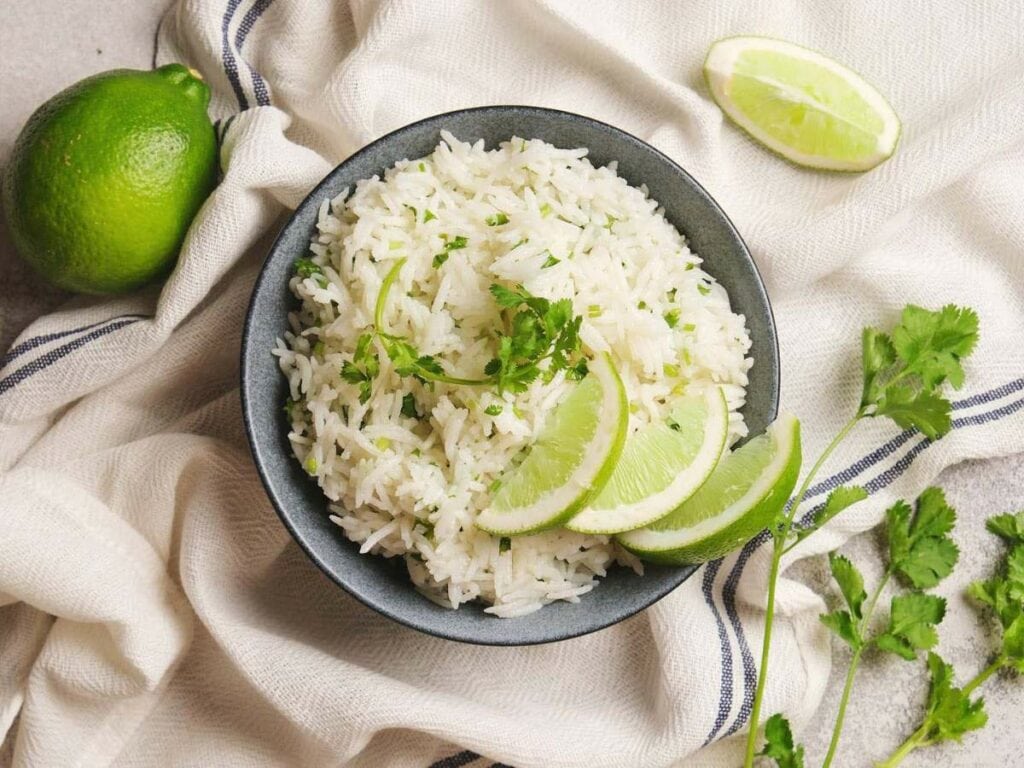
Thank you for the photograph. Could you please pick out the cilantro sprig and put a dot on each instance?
(904, 376)
(952, 711)
(363, 368)
(540, 338)
(540, 330)
(921, 554)
(904, 371)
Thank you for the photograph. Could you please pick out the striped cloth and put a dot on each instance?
(154, 611)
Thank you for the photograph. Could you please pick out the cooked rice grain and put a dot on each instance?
(411, 488)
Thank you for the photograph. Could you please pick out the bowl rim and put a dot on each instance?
(246, 376)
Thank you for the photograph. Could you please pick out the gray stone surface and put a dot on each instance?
(889, 693)
(48, 44)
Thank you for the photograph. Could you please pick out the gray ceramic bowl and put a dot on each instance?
(383, 584)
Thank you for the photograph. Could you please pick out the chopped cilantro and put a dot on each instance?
(409, 406)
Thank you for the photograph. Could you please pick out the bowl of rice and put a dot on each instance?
(378, 473)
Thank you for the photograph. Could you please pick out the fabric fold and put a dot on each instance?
(153, 609)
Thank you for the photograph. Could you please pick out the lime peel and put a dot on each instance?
(801, 104)
(688, 460)
(741, 518)
(575, 455)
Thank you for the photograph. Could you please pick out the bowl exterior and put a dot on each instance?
(384, 584)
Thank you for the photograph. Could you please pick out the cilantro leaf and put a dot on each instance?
(877, 356)
(1009, 527)
(846, 624)
(1013, 642)
(932, 343)
(920, 548)
(455, 244)
(912, 620)
(926, 412)
(996, 593)
(506, 297)
(541, 330)
(850, 582)
(1015, 573)
(841, 623)
(904, 371)
(779, 744)
(1004, 593)
(353, 375)
(308, 268)
(409, 406)
(950, 713)
(838, 500)
(363, 368)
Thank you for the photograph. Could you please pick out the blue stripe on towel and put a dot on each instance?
(228, 55)
(37, 341)
(882, 480)
(250, 18)
(457, 760)
(44, 361)
(725, 701)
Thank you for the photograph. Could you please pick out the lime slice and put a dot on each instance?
(572, 459)
(808, 108)
(661, 466)
(745, 492)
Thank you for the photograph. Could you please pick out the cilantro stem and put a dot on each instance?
(446, 379)
(915, 740)
(779, 537)
(847, 690)
(861, 413)
(382, 296)
(985, 674)
(755, 715)
(919, 738)
(869, 610)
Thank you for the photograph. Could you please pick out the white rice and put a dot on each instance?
(411, 488)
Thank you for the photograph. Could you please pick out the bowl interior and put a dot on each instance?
(383, 584)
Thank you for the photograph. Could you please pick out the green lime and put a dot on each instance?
(662, 465)
(748, 488)
(106, 176)
(570, 461)
(805, 106)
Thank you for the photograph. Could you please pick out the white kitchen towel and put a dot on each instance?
(154, 611)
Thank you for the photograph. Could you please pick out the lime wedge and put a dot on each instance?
(808, 108)
(748, 488)
(661, 466)
(572, 459)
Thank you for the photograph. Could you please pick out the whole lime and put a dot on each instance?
(105, 178)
